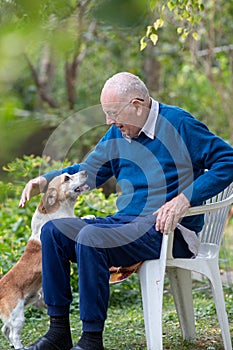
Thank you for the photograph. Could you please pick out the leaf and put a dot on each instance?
(148, 31)
(185, 34)
(185, 14)
(152, 4)
(158, 23)
(202, 7)
(143, 43)
(170, 5)
(154, 38)
(179, 30)
(195, 36)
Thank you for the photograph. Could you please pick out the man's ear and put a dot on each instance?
(139, 106)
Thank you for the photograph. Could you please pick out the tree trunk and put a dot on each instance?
(152, 71)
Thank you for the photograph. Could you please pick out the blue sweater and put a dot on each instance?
(153, 171)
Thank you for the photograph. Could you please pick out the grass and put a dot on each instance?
(124, 329)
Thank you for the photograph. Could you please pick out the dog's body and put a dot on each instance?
(22, 284)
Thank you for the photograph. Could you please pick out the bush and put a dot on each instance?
(15, 222)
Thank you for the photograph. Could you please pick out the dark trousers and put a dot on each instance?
(95, 245)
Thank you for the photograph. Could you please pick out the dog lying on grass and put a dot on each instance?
(22, 284)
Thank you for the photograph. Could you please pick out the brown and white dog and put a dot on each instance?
(22, 284)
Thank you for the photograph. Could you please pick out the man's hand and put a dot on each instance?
(32, 188)
(170, 213)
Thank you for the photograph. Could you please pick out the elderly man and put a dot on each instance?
(164, 160)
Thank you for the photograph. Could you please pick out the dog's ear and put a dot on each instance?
(50, 197)
(49, 200)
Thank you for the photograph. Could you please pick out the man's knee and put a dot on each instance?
(87, 236)
(48, 231)
(97, 237)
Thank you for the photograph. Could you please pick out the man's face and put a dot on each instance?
(126, 115)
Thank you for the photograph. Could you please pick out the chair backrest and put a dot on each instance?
(215, 221)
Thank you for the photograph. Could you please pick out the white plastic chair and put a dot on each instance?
(152, 272)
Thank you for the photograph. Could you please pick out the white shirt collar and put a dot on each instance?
(149, 126)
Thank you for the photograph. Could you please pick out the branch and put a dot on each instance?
(224, 48)
(40, 86)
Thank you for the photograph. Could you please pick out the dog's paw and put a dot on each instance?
(6, 331)
(89, 217)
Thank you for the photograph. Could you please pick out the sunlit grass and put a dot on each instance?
(124, 328)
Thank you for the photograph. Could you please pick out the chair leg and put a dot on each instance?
(218, 295)
(181, 287)
(152, 281)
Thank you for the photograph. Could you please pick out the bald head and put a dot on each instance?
(126, 103)
(125, 86)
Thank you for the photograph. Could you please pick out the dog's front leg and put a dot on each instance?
(15, 324)
(14, 336)
(6, 332)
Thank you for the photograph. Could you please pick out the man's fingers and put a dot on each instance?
(32, 188)
(21, 203)
(170, 224)
(170, 213)
(166, 219)
(161, 219)
(25, 196)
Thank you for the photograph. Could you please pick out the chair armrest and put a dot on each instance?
(201, 209)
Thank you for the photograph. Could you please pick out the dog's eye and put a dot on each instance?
(67, 178)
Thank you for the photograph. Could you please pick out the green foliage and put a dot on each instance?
(13, 131)
(50, 35)
(29, 12)
(15, 222)
(95, 203)
(194, 92)
(111, 45)
(22, 170)
(186, 12)
(123, 13)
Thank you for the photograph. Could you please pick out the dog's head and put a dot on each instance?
(63, 189)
